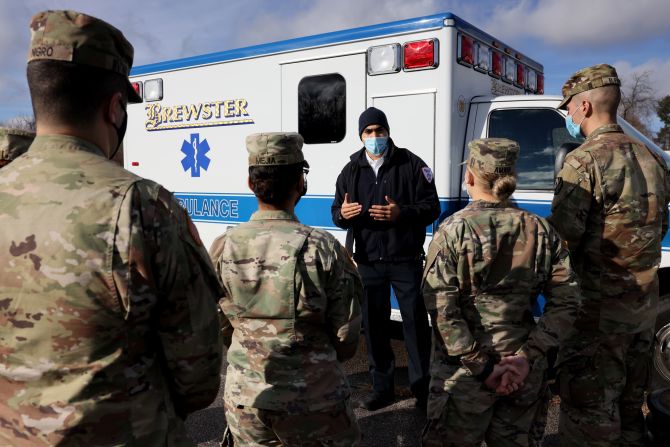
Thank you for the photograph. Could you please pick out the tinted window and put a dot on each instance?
(322, 113)
(539, 133)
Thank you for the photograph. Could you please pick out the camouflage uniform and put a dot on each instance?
(486, 265)
(293, 302)
(13, 142)
(610, 205)
(109, 332)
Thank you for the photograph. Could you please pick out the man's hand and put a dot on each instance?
(508, 375)
(513, 378)
(388, 212)
(350, 210)
(493, 381)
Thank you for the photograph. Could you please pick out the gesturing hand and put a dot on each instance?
(388, 212)
(350, 209)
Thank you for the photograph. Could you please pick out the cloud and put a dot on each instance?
(591, 23)
(657, 68)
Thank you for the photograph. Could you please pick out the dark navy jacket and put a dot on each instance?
(403, 177)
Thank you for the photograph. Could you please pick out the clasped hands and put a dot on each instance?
(508, 375)
(387, 213)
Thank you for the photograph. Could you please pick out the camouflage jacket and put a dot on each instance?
(293, 302)
(611, 206)
(109, 331)
(486, 265)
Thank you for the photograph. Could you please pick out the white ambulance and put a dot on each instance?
(441, 81)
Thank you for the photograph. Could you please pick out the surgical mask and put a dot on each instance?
(376, 145)
(574, 129)
(120, 132)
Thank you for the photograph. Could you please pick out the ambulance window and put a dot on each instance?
(322, 108)
(539, 132)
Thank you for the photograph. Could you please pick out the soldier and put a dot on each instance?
(610, 205)
(13, 142)
(109, 332)
(292, 297)
(486, 265)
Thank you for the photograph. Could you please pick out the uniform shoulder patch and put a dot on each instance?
(573, 162)
(427, 173)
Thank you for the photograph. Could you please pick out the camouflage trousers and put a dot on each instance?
(463, 413)
(333, 427)
(602, 391)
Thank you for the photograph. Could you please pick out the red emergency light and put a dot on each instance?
(496, 64)
(465, 54)
(137, 86)
(520, 75)
(420, 54)
(540, 84)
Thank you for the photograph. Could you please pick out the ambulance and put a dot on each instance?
(440, 80)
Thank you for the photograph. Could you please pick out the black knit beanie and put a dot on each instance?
(372, 116)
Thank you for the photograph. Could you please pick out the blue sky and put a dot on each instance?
(563, 35)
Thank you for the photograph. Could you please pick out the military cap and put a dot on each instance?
(82, 39)
(493, 155)
(14, 142)
(275, 149)
(587, 79)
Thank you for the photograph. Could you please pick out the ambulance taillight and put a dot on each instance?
(422, 54)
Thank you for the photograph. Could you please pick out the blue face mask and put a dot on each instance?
(574, 129)
(376, 145)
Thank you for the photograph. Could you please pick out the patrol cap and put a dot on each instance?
(275, 149)
(493, 155)
(82, 39)
(587, 79)
(14, 142)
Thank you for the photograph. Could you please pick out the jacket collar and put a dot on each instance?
(273, 215)
(483, 204)
(607, 128)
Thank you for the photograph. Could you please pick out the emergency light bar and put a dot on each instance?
(420, 54)
(484, 57)
(487, 57)
(384, 59)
